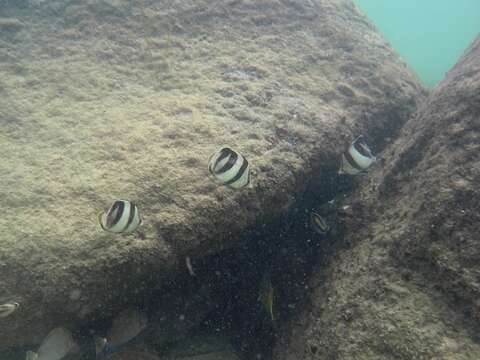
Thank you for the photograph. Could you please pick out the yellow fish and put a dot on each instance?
(266, 294)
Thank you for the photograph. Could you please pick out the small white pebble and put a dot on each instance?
(188, 263)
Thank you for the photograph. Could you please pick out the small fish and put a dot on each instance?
(230, 168)
(126, 326)
(8, 309)
(265, 295)
(56, 345)
(122, 217)
(318, 223)
(357, 158)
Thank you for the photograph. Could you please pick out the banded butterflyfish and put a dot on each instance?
(357, 158)
(8, 309)
(122, 217)
(230, 168)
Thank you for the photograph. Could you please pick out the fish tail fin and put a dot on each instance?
(100, 220)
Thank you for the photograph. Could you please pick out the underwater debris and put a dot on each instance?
(230, 168)
(122, 217)
(8, 309)
(357, 158)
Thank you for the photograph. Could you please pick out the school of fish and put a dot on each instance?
(229, 168)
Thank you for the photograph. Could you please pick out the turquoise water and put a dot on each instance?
(429, 34)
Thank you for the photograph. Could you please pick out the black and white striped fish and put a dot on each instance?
(357, 158)
(8, 309)
(318, 223)
(230, 168)
(122, 217)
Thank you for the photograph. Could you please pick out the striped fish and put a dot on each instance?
(357, 158)
(318, 224)
(230, 168)
(122, 217)
(8, 309)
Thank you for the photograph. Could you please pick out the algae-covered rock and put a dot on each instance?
(106, 100)
(406, 284)
(133, 355)
(178, 314)
(202, 347)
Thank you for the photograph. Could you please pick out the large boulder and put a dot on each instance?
(101, 100)
(405, 283)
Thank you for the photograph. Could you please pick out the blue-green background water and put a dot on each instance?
(429, 34)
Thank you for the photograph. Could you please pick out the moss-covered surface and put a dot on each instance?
(111, 99)
(406, 283)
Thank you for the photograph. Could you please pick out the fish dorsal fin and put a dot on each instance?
(360, 154)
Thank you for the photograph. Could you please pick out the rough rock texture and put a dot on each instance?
(107, 99)
(199, 347)
(406, 283)
(203, 347)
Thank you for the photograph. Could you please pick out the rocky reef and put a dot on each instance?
(406, 283)
(108, 99)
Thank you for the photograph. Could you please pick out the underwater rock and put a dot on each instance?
(405, 284)
(202, 346)
(177, 314)
(133, 355)
(218, 355)
(120, 100)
